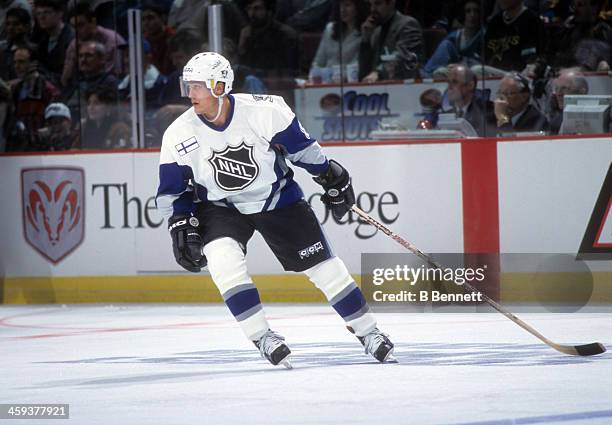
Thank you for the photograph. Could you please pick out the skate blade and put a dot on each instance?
(390, 359)
(287, 363)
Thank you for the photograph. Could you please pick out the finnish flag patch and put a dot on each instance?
(187, 146)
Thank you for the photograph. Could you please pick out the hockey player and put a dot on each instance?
(223, 174)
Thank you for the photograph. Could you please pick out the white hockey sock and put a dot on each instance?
(334, 280)
(228, 270)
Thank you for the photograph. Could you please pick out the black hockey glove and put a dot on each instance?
(339, 195)
(187, 242)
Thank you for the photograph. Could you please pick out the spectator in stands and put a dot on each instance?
(92, 73)
(512, 38)
(84, 22)
(6, 115)
(157, 33)
(57, 134)
(245, 79)
(304, 15)
(233, 19)
(154, 81)
(183, 46)
(392, 44)
(182, 10)
(463, 45)
(266, 45)
(466, 102)
(55, 37)
(18, 27)
(584, 39)
(569, 81)
(513, 110)
(103, 127)
(32, 91)
(342, 35)
(5, 6)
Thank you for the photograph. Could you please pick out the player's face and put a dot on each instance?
(200, 96)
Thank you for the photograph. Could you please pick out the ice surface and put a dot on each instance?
(169, 364)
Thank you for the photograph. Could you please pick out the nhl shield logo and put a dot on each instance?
(234, 168)
(53, 205)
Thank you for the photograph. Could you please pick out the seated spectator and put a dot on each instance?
(84, 22)
(583, 40)
(304, 15)
(233, 19)
(569, 81)
(57, 134)
(154, 81)
(92, 73)
(465, 102)
(55, 37)
(512, 38)
(513, 110)
(157, 33)
(5, 6)
(183, 46)
(103, 128)
(342, 34)
(32, 91)
(463, 45)
(245, 79)
(18, 27)
(266, 45)
(392, 44)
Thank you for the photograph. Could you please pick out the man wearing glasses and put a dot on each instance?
(513, 109)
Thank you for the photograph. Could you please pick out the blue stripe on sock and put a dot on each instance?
(243, 301)
(350, 304)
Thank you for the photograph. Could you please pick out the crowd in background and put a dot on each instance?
(64, 74)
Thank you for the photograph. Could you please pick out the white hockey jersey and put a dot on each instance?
(241, 164)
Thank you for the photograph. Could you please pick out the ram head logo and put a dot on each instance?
(53, 209)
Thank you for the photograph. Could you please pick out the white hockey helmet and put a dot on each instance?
(210, 68)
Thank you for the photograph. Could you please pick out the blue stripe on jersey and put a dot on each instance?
(350, 304)
(292, 138)
(313, 168)
(242, 301)
(290, 194)
(279, 175)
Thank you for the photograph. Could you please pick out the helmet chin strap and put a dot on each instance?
(219, 106)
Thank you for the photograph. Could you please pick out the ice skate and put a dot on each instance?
(378, 345)
(272, 346)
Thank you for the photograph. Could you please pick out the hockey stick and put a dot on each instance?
(574, 350)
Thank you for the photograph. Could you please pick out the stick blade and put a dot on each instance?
(580, 350)
(590, 349)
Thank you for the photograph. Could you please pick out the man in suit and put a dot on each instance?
(466, 104)
(513, 111)
(392, 45)
(569, 81)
